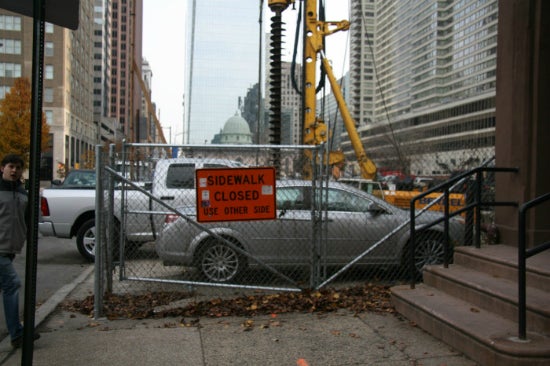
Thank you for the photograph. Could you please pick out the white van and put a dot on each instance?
(174, 182)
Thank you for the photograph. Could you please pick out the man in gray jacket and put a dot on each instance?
(13, 234)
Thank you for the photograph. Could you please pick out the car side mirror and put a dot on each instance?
(375, 209)
(56, 182)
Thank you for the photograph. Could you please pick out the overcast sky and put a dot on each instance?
(164, 48)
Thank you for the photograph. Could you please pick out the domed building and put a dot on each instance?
(235, 132)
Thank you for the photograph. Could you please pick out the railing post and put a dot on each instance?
(477, 216)
(446, 230)
(521, 275)
(412, 244)
(523, 254)
(469, 215)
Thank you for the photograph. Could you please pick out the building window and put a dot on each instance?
(10, 46)
(49, 117)
(8, 22)
(48, 27)
(48, 72)
(48, 49)
(4, 89)
(48, 95)
(8, 70)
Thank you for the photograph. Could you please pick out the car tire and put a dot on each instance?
(429, 249)
(219, 262)
(85, 240)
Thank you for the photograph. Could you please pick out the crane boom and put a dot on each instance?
(368, 168)
(315, 131)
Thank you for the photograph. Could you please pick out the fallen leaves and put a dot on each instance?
(358, 299)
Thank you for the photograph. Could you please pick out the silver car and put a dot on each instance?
(355, 221)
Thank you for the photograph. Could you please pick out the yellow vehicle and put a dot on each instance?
(315, 129)
(366, 185)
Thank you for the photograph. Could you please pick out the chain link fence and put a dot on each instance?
(324, 232)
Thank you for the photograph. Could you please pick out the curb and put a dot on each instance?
(51, 304)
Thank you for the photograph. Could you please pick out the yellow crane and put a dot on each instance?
(315, 131)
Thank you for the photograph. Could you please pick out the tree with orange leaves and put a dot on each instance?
(15, 121)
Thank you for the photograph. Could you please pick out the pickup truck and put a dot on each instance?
(68, 208)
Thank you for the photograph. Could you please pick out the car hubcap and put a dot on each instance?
(89, 241)
(220, 263)
(429, 252)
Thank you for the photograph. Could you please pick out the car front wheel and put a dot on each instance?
(428, 250)
(219, 262)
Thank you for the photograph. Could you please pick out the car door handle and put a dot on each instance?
(167, 197)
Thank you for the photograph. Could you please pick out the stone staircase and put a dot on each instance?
(472, 305)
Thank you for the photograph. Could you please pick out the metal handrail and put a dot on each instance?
(523, 254)
(476, 204)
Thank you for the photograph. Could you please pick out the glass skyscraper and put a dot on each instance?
(222, 63)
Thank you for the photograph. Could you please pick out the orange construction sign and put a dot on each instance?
(235, 194)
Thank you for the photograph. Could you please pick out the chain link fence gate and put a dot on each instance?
(139, 196)
(326, 233)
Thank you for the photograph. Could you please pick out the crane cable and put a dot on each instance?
(322, 17)
(393, 140)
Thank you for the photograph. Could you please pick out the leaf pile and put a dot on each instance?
(358, 299)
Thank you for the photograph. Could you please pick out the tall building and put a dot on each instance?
(126, 50)
(67, 83)
(222, 63)
(291, 104)
(423, 82)
(108, 128)
(89, 89)
(147, 129)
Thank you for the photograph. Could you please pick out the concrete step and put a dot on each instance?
(501, 261)
(485, 337)
(492, 293)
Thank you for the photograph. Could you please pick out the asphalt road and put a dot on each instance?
(58, 263)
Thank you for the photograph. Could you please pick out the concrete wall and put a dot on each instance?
(523, 114)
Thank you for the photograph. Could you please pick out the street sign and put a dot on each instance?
(59, 12)
(235, 194)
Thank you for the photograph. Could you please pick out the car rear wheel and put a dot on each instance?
(219, 262)
(86, 239)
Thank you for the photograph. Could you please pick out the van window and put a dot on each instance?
(180, 176)
(214, 165)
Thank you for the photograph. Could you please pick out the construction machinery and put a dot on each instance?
(315, 131)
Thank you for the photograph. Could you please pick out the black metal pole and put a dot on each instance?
(522, 302)
(412, 244)
(477, 218)
(34, 168)
(446, 247)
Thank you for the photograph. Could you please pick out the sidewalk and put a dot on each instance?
(340, 338)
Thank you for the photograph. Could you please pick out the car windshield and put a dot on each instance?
(338, 200)
(333, 199)
(81, 179)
